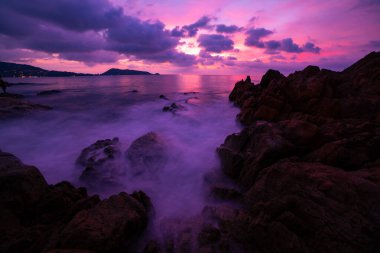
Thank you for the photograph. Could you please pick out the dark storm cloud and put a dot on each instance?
(75, 15)
(227, 29)
(90, 31)
(215, 43)
(254, 36)
(192, 29)
(133, 36)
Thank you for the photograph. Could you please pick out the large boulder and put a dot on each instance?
(307, 161)
(99, 162)
(109, 226)
(147, 154)
(37, 217)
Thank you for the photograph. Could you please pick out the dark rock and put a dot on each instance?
(147, 154)
(152, 247)
(208, 235)
(36, 217)
(11, 95)
(20, 184)
(174, 107)
(309, 174)
(109, 226)
(12, 107)
(98, 161)
(48, 92)
(223, 193)
(163, 97)
(269, 76)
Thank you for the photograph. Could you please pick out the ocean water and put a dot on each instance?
(93, 108)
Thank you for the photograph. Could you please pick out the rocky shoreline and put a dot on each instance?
(306, 169)
(308, 160)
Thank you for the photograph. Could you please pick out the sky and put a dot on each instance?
(188, 36)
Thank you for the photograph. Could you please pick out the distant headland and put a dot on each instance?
(8, 69)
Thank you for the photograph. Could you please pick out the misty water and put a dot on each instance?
(94, 108)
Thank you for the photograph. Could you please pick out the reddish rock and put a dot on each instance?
(310, 173)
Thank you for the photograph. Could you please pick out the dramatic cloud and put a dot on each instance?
(287, 45)
(100, 34)
(215, 43)
(75, 15)
(227, 29)
(255, 35)
(192, 29)
(133, 36)
(254, 39)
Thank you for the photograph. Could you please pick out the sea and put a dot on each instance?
(88, 109)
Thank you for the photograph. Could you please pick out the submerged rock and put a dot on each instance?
(174, 107)
(163, 97)
(147, 154)
(48, 92)
(11, 107)
(37, 217)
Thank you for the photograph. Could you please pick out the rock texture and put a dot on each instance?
(147, 154)
(37, 217)
(307, 161)
(98, 162)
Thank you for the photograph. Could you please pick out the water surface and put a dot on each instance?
(93, 108)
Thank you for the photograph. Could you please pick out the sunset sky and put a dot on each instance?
(188, 37)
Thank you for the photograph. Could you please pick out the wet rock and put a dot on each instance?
(48, 92)
(20, 184)
(163, 97)
(152, 247)
(98, 161)
(208, 235)
(223, 193)
(147, 154)
(109, 226)
(174, 107)
(12, 107)
(37, 217)
(190, 93)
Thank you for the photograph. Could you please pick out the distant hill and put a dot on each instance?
(115, 72)
(8, 69)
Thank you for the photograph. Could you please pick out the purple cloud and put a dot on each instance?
(133, 36)
(75, 15)
(287, 45)
(101, 33)
(255, 35)
(192, 29)
(215, 43)
(227, 29)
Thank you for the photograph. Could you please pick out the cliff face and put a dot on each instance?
(308, 161)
